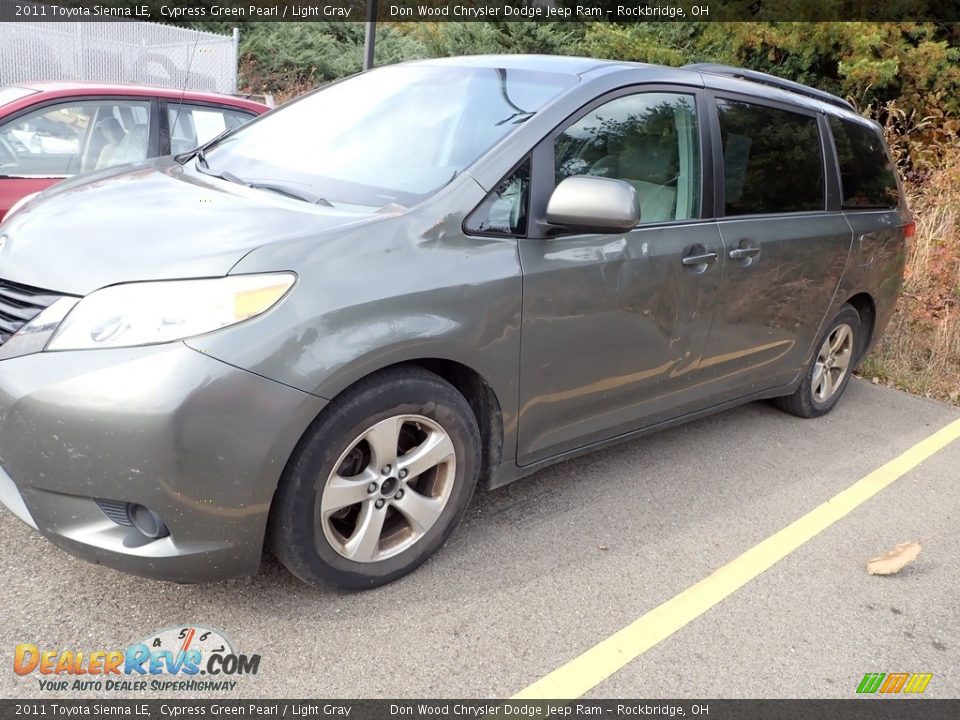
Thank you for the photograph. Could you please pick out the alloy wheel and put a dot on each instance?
(833, 363)
(388, 489)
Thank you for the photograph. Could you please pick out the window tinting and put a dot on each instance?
(648, 140)
(504, 210)
(867, 176)
(772, 161)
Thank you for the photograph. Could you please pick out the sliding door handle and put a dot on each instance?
(744, 252)
(702, 259)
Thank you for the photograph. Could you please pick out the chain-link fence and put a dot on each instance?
(131, 52)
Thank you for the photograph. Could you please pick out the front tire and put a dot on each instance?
(378, 483)
(838, 351)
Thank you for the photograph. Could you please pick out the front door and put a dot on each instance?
(614, 324)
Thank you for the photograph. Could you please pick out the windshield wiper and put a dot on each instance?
(289, 192)
(204, 167)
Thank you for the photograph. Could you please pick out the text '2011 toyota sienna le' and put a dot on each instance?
(322, 330)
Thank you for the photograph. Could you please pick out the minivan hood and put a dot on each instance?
(155, 221)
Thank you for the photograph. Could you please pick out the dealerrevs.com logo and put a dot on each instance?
(187, 659)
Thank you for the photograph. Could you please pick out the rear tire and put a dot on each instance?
(378, 483)
(838, 352)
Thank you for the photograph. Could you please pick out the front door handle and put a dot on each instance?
(742, 253)
(702, 259)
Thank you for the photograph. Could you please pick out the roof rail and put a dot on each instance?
(771, 80)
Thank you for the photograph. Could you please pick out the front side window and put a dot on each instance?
(772, 161)
(393, 135)
(194, 125)
(649, 140)
(867, 177)
(65, 139)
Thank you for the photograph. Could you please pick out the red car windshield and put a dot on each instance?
(12, 93)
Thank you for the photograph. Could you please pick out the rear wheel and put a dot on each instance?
(380, 482)
(829, 373)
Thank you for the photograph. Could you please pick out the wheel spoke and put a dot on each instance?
(824, 353)
(421, 511)
(343, 492)
(817, 381)
(384, 438)
(430, 453)
(839, 338)
(364, 543)
(842, 360)
(827, 383)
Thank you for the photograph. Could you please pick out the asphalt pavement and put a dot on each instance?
(546, 568)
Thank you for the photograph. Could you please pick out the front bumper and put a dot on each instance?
(200, 442)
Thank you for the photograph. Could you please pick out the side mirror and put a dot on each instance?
(594, 204)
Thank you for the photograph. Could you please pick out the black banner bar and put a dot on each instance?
(872, 708)
(619, 11)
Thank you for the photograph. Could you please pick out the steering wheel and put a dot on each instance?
(8, 156)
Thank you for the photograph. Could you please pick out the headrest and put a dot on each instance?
(112, 130)
(650, 158)
(137, 134)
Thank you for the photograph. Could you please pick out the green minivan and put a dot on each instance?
(321, 331)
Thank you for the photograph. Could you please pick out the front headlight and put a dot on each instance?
(146, 313)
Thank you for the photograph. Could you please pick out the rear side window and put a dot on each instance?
(772, 162)
(867, 176)
(195, 125)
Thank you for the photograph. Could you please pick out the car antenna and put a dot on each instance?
(183, 91)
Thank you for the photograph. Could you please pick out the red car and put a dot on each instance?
(54, 130)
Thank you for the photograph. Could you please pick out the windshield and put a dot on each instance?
(393, 135)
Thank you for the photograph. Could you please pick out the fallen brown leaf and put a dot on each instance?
(895, 560)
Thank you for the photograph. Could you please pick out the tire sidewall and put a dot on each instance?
(309, 554)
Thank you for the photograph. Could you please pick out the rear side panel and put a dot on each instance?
(879, 251)
(877, 261)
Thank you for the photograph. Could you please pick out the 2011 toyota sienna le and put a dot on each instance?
(321, 331)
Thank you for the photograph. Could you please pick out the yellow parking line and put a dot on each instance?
(604, 659)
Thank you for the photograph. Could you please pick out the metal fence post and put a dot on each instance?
(236, 60)
(370, 34)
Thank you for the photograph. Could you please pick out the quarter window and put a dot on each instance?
(649, 140)
(504, 210)
(772, 161)
(867, 176)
